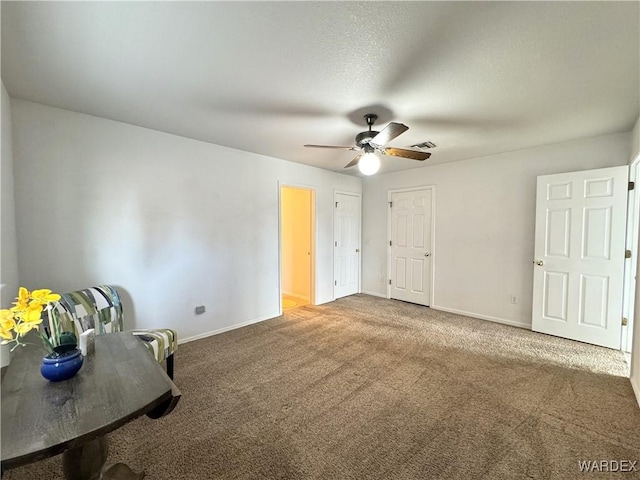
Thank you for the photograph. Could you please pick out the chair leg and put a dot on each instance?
(170, 366)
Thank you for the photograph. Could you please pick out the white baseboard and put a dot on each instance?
(295, 295)
(225, 329)
(504, 321)
(374, 294)
(635, 385)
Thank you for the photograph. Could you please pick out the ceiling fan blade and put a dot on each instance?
(354, 162)
(333, 146)
(404, 153)
(388, 133)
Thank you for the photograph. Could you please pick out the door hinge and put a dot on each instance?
(632, 185)
(335, 282)
(627, 254)
(336, 243)
(389, 281)
(336, 204)
(390, 204)
(389, 242)
(625, 321)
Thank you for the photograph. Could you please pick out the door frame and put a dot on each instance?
(432, 287)
(333, 266)
(631, 264)
(314, 240)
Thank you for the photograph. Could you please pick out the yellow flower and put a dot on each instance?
(44, 296)
(6, 334)
(31, 314)
(24, 328)
(26, 315)
(23, 298)
(7, 322)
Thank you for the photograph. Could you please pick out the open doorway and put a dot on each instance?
(297, 266)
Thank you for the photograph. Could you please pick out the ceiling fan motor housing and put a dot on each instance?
(364, 138)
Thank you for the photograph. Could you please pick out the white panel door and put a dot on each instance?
(411, 246)
(346, 244)
(579, 255)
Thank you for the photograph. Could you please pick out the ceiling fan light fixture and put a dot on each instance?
(372, 141)
(369, 164)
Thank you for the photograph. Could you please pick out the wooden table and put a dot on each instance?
(118, 383)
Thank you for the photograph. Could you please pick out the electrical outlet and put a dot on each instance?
(514, 299)
(200, 309)
(381, 278)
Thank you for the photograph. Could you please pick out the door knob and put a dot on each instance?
(427, 254)
(539, 263)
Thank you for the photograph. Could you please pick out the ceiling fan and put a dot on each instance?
(371, 141)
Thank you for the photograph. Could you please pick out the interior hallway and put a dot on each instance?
(289, 302)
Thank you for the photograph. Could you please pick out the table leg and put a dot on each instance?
(120, 471)
(85, 462)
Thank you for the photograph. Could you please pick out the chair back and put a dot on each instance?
(99, 308)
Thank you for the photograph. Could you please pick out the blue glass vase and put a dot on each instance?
(57, 367)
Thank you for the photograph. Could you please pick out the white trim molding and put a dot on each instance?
(636, 389)
(375, 294)
(226, 329)
(296, 295)
(504, 321)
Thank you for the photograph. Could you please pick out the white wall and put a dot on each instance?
(635, 140)
(8, 248)
(172, 221)
(484, 224)
(635, 350)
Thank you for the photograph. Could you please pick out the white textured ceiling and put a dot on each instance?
(475, 78)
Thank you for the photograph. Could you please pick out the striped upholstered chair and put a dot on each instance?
(100, 308)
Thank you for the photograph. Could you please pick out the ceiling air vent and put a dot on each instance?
(425, 145)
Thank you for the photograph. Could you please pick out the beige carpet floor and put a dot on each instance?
(367, 388)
